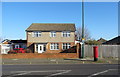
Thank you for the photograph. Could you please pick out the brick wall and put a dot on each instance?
(31, 47)
(60, 47)
(36, 55)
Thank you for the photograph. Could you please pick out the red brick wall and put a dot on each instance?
(31, 47)
(60, 47)
(36, 55)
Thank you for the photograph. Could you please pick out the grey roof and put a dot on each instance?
(18, 41)
(51, 27)
(114, 41)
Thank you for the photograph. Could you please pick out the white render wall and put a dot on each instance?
(5, 48)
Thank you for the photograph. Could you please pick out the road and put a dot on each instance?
(52, 70)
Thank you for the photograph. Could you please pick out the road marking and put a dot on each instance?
(60, 73)
(17, 73)
(23, 73)
(53, 60)
(15, 59)
(39, 71)
(102, 72)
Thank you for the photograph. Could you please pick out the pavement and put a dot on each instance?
(61, 70)
(59, 61)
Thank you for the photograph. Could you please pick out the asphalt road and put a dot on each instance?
(53, 70)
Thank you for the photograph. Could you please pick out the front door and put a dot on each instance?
(40, 48)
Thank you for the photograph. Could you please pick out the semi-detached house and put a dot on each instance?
(50, 37)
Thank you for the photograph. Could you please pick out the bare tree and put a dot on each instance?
(79, 34)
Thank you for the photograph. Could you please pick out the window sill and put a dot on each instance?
(54, 49)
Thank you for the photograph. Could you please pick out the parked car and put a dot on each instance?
(17, 50)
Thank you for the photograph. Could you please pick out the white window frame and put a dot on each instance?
(66, 34)
(52, 34)
(54, 46)
(37, 34)
(66, 45)
(17, 46)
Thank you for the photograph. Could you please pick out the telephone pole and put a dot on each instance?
(83, 39)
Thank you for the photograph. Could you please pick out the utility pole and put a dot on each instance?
(83, 39)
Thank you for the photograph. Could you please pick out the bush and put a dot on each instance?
(27, 51)
(12, 52)
(70, 50)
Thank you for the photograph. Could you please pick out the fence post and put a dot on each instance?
(101, 51)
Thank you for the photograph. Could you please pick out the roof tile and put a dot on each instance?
(51, 27)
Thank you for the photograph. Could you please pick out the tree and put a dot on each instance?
(79, 34)
(101, 40)
(93, 42)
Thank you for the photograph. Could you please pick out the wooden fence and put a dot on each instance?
(104, 50)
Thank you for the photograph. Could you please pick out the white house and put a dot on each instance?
(7, 45)
(4, 47)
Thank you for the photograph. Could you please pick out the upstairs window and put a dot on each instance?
(54, 46)
(53, 34)
(66, 34)
(36, 34)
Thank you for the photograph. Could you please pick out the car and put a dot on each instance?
(17, 50)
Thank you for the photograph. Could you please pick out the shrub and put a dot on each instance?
(27, 51)
(12, 52)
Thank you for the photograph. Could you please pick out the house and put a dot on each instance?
(7, 45)
(50, 37)
(4, 46)
(101, 40)
(114, 41)
(18, 44)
